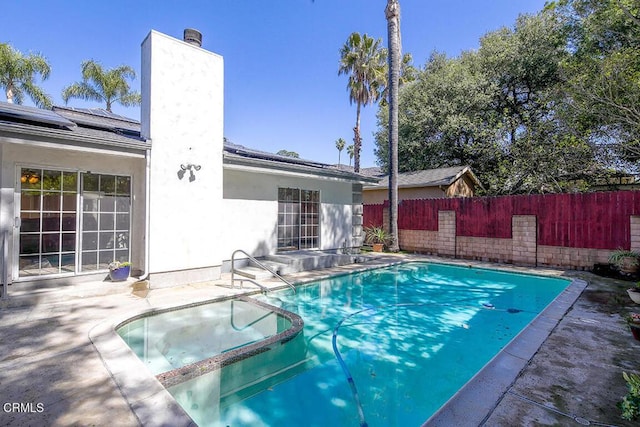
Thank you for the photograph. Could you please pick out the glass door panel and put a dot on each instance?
(106, 222)
(47, 218)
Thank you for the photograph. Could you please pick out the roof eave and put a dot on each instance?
(60, 137)
(274, 167)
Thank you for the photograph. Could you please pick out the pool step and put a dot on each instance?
(295, 262)
(253, 272)
(309, 260)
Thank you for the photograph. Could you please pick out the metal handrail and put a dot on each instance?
(240, 329)
(269, 269)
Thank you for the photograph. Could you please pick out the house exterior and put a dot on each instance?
(81, 188)
(457, 181)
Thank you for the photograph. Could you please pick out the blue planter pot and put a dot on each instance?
(120, 274)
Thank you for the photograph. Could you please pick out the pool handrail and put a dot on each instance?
(263, 266)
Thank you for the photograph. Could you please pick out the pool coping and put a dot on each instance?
(153, 405)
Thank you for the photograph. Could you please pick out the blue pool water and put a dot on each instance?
(385, 347)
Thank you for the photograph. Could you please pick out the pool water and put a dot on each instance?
(385, 347)
(174, 339)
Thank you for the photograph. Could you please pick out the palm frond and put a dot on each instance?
(81, 90)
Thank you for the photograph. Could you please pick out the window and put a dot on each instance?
(298, 219)
(49, 237)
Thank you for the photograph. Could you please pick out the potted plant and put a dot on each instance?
(377, 237)
(626, 261)
(119, 271)
(630, 404)
(633, 320)
(634, 293)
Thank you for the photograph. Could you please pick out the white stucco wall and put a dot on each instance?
(251, 210)
(48, 155)
(182, 114)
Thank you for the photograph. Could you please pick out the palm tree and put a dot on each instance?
(392, 13)
(340, 143)
(107, 86)
(363, 60)
(350, 152)
(17, 73)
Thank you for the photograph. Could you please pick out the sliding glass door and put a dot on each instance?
(71, 221)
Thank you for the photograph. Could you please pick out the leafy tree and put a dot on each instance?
(17, 76)
(102, 85)
(362, 59)
(288, 153)
(498, 109)
(444, 118)
(604, 75)
(340, 143)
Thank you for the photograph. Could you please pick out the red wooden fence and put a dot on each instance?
(585, 220)
(372, 215)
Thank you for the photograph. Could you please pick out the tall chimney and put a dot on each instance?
(193, 37)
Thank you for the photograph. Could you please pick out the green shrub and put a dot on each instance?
(630, 404)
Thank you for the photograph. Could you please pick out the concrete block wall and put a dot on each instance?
(575, 258)
(484, 248)
(422, 241)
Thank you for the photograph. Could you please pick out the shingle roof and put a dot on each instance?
(429, 177)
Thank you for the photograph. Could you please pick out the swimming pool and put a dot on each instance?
(382, 347)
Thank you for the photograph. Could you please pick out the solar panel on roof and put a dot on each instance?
(33, 114)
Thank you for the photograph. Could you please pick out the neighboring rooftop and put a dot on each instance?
(429, 177)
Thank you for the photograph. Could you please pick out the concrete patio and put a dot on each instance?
(50, 366)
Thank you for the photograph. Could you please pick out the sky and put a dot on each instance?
(282, 88)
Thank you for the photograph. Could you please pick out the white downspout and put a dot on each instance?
(5, 270)
(147, 203)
